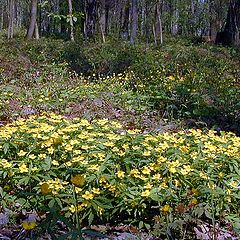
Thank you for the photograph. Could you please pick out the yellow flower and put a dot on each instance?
(94, 167)
(68, 147)
(5, 163)
(100, 210)
(23, 168)
(194, 201)
(233, 184)
(42, 155)
(32, 156)
(156, 177)
(29, 225)
(133, 131)
(120, 174)
(87, 195)
(203, 175)
(55, 163)
(22, 153)
(78, 190)
(72, 209)
(78, 180)
(146, 171)
(102, 121)
(221, 175)
(45, 189)
(148, 186)
(166, 208)
(34, 169)
(172, 169)
(145, 193)
(147, 153)
(171, 77)
(96, 190)
(186, 169)
(50, 150)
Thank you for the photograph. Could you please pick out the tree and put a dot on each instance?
(125, 25)
(232, 23)
(230, 35)
(71, 20)
(134, 22)
(11, 19)
(158, 31)
(33, 21)
(90, 18)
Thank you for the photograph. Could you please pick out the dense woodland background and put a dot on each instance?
(207, 20)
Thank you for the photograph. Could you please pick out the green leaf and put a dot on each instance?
(140, 225)
(90, 218)
(51, 203)
(5, 147)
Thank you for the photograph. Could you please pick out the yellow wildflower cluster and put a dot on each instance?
(107, 167)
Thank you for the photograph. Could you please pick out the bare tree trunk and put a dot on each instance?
(11, 19)
(1, 21)
(147, 23)
(91, 15)
(214, 23)
(230, 35)
(36, 31)
(158, 25)
(102, 19)
(143, 14)
(233, 24)
(33, 19)
(71, 20)
(134, 22)
(3, 12)
(125, 26)
(174, 19)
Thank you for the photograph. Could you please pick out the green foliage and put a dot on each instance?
(93, 172)
(74, 56)
(44, 51)
(178, 79)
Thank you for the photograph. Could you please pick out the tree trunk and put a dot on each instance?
(143, 14)
(11, 19)
(91, 15)
(33, 19)
(71, 20)
(1, 21)
(102, 19)
(125, 26)
(214, 20)
(230, 35)
(147, 24)
(134, 22)
(36, 31)
(232, 24)
(158, 25)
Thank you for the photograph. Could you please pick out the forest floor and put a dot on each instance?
(173, 88)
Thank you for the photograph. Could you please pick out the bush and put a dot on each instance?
(77, 61)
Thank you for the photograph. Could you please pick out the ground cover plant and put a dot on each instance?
(71, 155)
(179, 81)
(101, 172)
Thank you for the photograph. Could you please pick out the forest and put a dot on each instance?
(120, 119)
